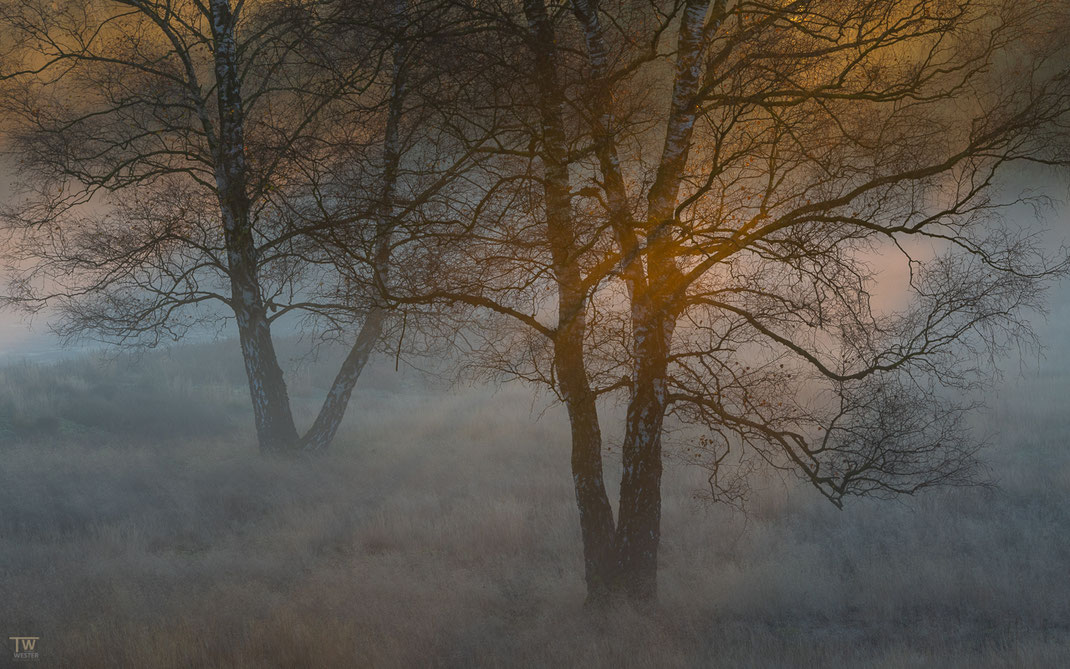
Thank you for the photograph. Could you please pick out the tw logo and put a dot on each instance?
(25, 647)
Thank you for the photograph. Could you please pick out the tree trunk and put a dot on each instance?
(639, 523)
(330, 415)
(271, 406)
(605, 147)
(275, 429)
(596, 514)
(652, 320)
(329, 418)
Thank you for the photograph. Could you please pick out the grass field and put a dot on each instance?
(140, 528)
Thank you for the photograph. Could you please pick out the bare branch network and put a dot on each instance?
(684, 206)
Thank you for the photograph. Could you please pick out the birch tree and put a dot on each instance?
(181, 154)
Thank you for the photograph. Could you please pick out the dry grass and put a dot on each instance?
(441, 532)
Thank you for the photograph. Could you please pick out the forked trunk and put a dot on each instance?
(273, 417)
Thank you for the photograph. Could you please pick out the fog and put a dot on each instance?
(463, 334)
(140, 528)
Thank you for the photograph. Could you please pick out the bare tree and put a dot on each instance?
(798, 141)
(182, 154)
(704, 192)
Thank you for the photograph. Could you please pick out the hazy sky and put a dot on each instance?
(23, 337)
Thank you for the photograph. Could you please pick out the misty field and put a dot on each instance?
(141, 528)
